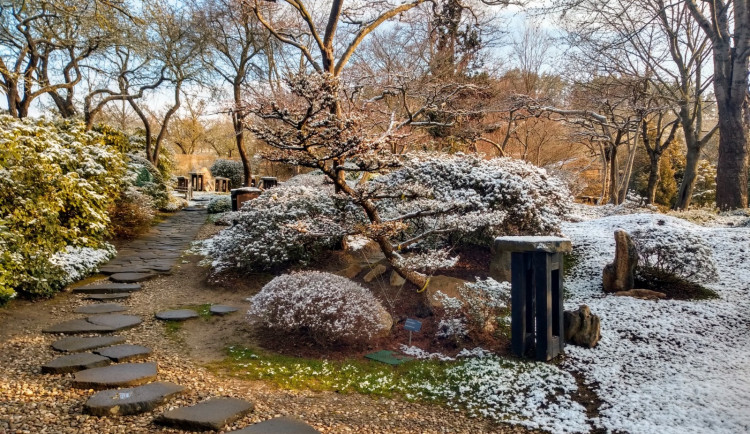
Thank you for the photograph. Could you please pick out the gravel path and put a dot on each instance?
(31, 402)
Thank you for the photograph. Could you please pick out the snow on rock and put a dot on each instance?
(666, 366)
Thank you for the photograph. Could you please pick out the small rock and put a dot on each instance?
(396, 279)
(445, 284)
(377, 271)
(644, 294)
(582, 327)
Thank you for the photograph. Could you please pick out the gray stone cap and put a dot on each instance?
(246, 190)
(533, 244)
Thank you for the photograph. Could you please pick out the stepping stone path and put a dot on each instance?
(177, 315)
(212, 414)
(131, 400)
(218, 309)
(131, 277)
(156, 252)
(101, 308)
(74, 362)
(278, 425)
(125, 374)
(76, 344)
(115, 321)
(103, 297)
(124, 353)
(108, 288)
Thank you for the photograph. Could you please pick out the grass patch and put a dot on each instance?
(203, 310)
(172, 327)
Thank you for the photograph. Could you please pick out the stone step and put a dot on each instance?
(176, 315)
(132, 400)
(131, 277)
(278, 425)
(124, 353)
(101, 308)
(218, 309)
(122, 375)
(212, 414)
(107, 288)
(74, 344)
(74, 362)
(77, 326)
(115, 321)
(115, 269)
(104, 297)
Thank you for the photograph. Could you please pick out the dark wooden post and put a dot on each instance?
(536, 294)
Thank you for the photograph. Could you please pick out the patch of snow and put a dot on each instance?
(666, 366)
(79, 262)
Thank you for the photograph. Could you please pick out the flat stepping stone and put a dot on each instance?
(116, 269)
(219, 309)
(107, 288)
(115, 321)
(104, 297)
(278, 425)
(214, 414)
(132, 400)
(122, 375)
(124, 353)
(74, 362)
(101, 308)
(74, 344)
(177, 315)
(78, 326)
(194, 208)
(131, 277)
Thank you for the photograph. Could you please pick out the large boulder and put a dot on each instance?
(445, 284)
(582, 327)
(620, 274)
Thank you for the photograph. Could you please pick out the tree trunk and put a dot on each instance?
(64, 105)
(239, 133)
(614, 197)
(685, 193)
(653, 176)
(731, 175)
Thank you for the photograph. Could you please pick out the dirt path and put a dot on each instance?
(36, 403)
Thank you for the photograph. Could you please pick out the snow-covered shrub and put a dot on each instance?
(326, 307)
(56, 183)
(463, 195)
(79, 262)
(283, 226)
(132, 214)
(219, 205)
(674, 250)
(175, 203)
(478, 309)
(148, 179)
(312, 179)
(229, 169)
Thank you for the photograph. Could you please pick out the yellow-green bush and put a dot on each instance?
(57, 182)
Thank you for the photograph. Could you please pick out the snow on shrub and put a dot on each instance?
(478, 309)
(79, 262)
(219, 204)
(229, 169)
(326, 307)
(57, 182)
(148, 179)
(466, 195)
(283, 226)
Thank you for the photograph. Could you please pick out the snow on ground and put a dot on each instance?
(666, 366)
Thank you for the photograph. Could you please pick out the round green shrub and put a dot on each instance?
(229, 169)
(219, 204)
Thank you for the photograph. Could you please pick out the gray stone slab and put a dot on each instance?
(115, 321)
(74, 362)
(124, 353)
(132, 400)
(116, 269)
(107, 288)
(102, 297)
(101, 308)
(219, 309)
(278, 425)
(74, 344)
(78, 326)
(533, 244)
(214, 414)
(176, 315)
(122, 375)
(131, 277)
